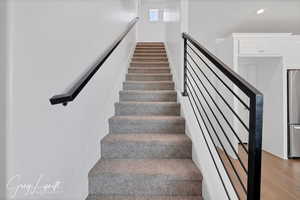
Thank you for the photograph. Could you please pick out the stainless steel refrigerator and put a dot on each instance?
(294, 113)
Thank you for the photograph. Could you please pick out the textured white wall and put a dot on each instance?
(173, 39)
(53, 42)
(3, 65)
(150, 31)
(178, 21)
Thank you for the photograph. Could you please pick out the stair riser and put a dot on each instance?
(133, 197)
(141, 185)
(148, 86)
(131, 77)
(132, 150)
(147, 109)
(150, 51)
(149, 70)
(150, 48)
(172, 97)
(146, 126)
(149, 59)
(156, 55)
(137, 64)
(150, 45)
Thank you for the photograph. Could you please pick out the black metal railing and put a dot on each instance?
(76, 88)
(229, 112)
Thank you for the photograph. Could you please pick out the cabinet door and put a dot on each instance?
(294, 141)
(259, 47)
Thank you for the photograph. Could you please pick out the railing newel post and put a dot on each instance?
(255, 147)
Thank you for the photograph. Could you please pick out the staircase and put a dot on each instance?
(146, 154)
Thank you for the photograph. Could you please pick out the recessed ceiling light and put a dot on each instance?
(260, 11)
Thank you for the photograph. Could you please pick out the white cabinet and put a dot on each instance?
(258, 46)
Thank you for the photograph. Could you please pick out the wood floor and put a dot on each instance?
(280, 178)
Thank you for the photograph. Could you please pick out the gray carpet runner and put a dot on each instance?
(146, 154)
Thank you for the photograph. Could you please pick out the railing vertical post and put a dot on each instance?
(184, 93)
(255, 145)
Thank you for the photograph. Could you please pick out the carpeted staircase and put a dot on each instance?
(146, 155)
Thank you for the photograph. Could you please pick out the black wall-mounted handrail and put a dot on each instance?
(76, 88)
(198, 87)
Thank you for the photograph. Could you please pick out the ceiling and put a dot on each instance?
(222, 18)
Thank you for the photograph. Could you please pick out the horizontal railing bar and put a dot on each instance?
(216, 105)
(237, 85)
(72, 93)
(215, 133)
(218, 122)
(210, 152)
(210, 136)
(224, 100)
(232, 75)
(222, 81)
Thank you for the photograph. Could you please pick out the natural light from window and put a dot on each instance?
(154, 15)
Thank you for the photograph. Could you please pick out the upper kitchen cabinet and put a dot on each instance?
(285, 45)
(260, 44)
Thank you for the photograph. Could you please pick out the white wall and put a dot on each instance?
(52, 43)
(3, 62)
(208, 20)
(174, 42)
(274, 139)
(177, 12)
(150, 31)
(212, 19)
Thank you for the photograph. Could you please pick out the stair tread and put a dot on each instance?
(148, 91)
(149, 71)
(152, 68)
(138, 118)
(148, 96)
(173, 169)
(150, 61)
(147, 74)
(141, 62)
(149, 57)
(149, 85)
(147, 138)
(149, 64)
(148, 197)
(151, 54)
(150, 51)
(139, 82)
(149, 46)
(150, 103)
